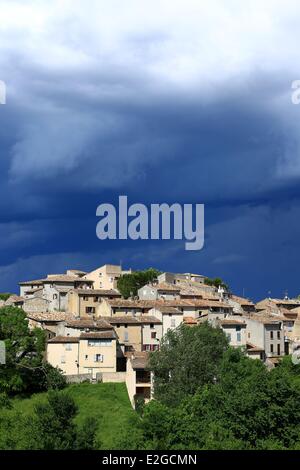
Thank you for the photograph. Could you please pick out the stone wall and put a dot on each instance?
(78, 378)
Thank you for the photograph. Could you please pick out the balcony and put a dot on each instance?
(143, 377)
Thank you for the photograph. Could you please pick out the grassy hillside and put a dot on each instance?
(108, 402)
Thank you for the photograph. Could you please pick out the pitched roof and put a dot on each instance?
(64, 339)
(32, 283)
(139, 360)
(166, 310)
(98, 292)
(130, 319)
(227, 322)
(98, 335)
(149, 319)
(241, 300)
(128, 303)
(189, 321)
(266, 319)
(48, 316)
(55, 278)
(164, 286)
(252, 348)
(100, 324)
(64, 278)
(14, 299)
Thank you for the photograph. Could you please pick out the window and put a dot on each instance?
(99, 342)
(278, 334)
(153, 335)
(86, 357)
(68, 347)
(100, 274)
(238, 336)
(173, 323)
(98, 358)
(85, 297)
(62, 360)
(126, 336)
(151, 325)
(150, 347)
(228, 336)
(271, 348)
(249, 334)
(271, 334)
(89, 309)
(278, 349)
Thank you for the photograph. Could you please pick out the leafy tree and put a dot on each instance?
(86, 433)
(4, 401)
(24, 350)
(188, 358)
(247, 407)
(54, 428)
(129, 284)
(5, 295)
(139, 402)
(47, 377)
(216, 282)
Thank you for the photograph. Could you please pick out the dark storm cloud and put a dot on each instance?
(98, 107)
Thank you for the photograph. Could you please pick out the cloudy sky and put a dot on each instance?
(164, 101)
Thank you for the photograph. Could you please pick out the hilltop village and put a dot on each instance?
(95, 334)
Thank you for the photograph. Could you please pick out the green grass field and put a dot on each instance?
(108, 402)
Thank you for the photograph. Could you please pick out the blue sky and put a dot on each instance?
(164, 101)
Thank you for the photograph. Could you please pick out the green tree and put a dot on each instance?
(24, 350)
(216, 282)
(247, 407)
(188, 358)
(53, 424)
(5, 295)
(129, 284)
(86, 433)
(25, 369)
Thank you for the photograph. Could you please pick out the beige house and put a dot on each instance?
(85, 302)
(235, 330)
(52, 322)
(106, 276)
(241, 305)
(174, 278)
(74, 327)
(277, 304)
(138, 378)
(120, 307)
(266, 334)
(53, 290)
(89, 353)
(159, 291)
(170, 317)
(137, 333)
